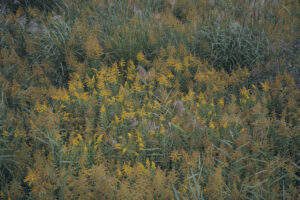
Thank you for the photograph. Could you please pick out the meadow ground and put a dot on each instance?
(138, 99)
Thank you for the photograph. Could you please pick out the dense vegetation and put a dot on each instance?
(138, 99)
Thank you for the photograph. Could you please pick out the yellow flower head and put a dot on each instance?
(85, 149)
(122, 62)
(102, 110)
(140, 168)
(244, 92)
(148, 162)
(221, 102)
(225, 125)
(162, 130)
(211, 125)
(31, 177)
(124, 151)
(118, 146)
(153, 165)
(265, 86)
(140, 56)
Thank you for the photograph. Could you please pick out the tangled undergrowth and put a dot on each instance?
(149, 100)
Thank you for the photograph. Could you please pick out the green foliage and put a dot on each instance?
(44, 5)
(232, 46)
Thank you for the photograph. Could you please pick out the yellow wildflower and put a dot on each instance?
(244, 92)
(139, 140)
(265, 86)
(85, 149)
(118, 146)
(211, 125)
(221, 102)
(119, 173)
(214, 89)
(148, 162)
(225, 125)
(99, 139)
(117, 120)
(92, 47)
(90, 82)
(162, 130)
(124, 150)
(244, 101)
(102, 110)
(175, 156)
(77, 140)
(152, 132)
(140, 56)
(40, 108)
(122, 62)
(127, 169)
(178, 66)
(141, 169)
(33, 11)
(31, 177)
(153, 165)
(186, 61)
(141, 146)
(2, 195)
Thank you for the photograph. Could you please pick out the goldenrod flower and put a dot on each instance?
(140, 168)
(244, 92)
(148, 162)
(31, 177)
(153, 165)
(99, 139)
(265, 86)
(118, 146)
(140, 56)
(127, 169)
(244, 101)
(61, 95)
(253, 86)
(211, 125)
(40, 108)
(175, 156)
(124, 150)
(119, 173)
(122, 62)
(152, 132)
(117, 120)
(162, 130)
(102, 110)
(221, 102)
(92, 47)
(141, 146)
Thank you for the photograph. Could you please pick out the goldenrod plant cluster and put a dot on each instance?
(165, 99)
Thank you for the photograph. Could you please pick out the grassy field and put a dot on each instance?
(140, 99)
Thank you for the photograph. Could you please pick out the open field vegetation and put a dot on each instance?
(139, 99)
